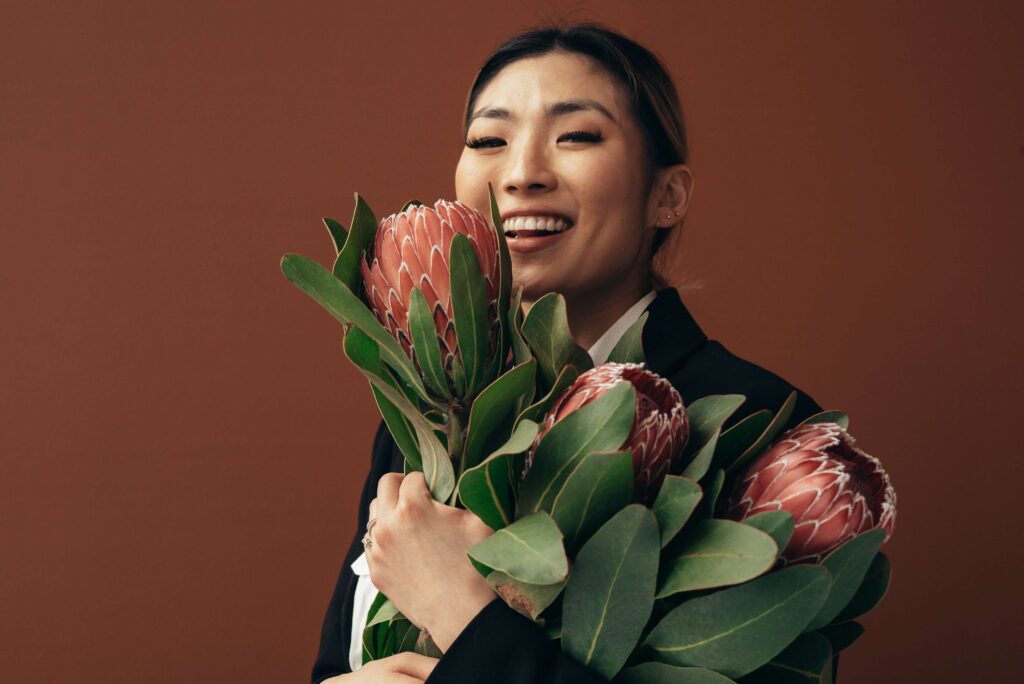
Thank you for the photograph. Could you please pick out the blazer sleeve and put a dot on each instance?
(332, 657)
(501, 646)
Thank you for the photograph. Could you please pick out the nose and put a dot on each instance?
(528, 167)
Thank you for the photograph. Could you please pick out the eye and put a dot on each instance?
(581, 136)
(484, 142)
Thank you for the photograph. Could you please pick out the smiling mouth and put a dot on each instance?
(534, 226)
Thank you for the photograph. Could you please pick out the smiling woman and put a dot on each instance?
(580, 134)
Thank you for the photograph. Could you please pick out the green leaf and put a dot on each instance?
(630, 347)
(660, 673)
(837, 417)
(361, 233)
(701, 459)
(711, 491)
(469, 307)
(530, 550)
(338, 233)
(776, 524)
(340, 302)
(494, 408)
(365, 355)
(486, 489)
(528, 599)
(410, 203)
(546, 330)
(736, 630)
(842, 635)
(715, 553)
(601, 425)
(676, 501)
(872, 589)
(740, 437)
(808, 660)
(598, 486)
(848, 565)
(771, 432)
(706, 416)
(504, 258)
(437, 465)
(426, 345)
(520, 350)
(610, 593)
(536, 411)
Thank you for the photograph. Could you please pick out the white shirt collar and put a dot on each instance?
(605, 343)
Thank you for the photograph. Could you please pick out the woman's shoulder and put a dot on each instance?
(713, 369)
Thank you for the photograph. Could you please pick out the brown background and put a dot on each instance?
(181, 441)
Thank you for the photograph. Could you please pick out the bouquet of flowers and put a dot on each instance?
(654, 544)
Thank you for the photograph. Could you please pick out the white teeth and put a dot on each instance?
(520, 224)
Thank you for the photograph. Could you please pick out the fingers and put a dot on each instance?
(387, 491)
(414, 487)
(414, 664)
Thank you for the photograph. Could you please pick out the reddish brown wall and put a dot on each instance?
(182, 441)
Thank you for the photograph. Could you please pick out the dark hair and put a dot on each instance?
(652, 96)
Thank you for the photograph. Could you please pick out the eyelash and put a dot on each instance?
(586, 135)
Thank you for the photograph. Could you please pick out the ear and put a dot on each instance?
(670, 196)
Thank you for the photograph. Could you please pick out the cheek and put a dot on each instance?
(471, 184)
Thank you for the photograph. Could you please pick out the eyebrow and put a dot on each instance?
(553, 109)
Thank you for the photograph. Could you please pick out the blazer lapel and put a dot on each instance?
(671, 334)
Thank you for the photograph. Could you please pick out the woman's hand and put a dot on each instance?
(401, 668)
(418, 557)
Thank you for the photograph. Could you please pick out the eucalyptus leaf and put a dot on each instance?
(736, 630)
(740, 437)
(504, 283)
(610, 593)
(675, 503)
(340, 302)
(536, 411)
(771, 432)
(777, 524)
(630, 347)
(530, 550)
(808, 660)
(362, 231)
(486, 489)
(838, 417)
(598, 486)
(662, 673)
(848, 565)
(706, 416)
(520, 350)
(338, 233)
(715, 553)
(469, 307)
(546, 330)
(872, 589)
(701, 459)
(364, 353)
(601, 425)
(494, 408)
(528, 599)
(842, 635)
(426, 346)
(712, 490)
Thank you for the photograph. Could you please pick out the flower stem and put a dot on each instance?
(455, 430)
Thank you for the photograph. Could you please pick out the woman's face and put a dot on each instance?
(555, 138)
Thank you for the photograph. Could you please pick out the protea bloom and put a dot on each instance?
(411, 250)
(660, 426)
(833, 490)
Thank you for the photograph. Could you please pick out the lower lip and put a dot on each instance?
(533, 244)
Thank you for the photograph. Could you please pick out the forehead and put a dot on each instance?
(527, 85)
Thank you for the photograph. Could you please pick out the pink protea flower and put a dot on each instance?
(833, 490)
(660, 426)
(411, 250)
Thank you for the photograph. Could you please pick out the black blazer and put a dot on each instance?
(499, 645)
